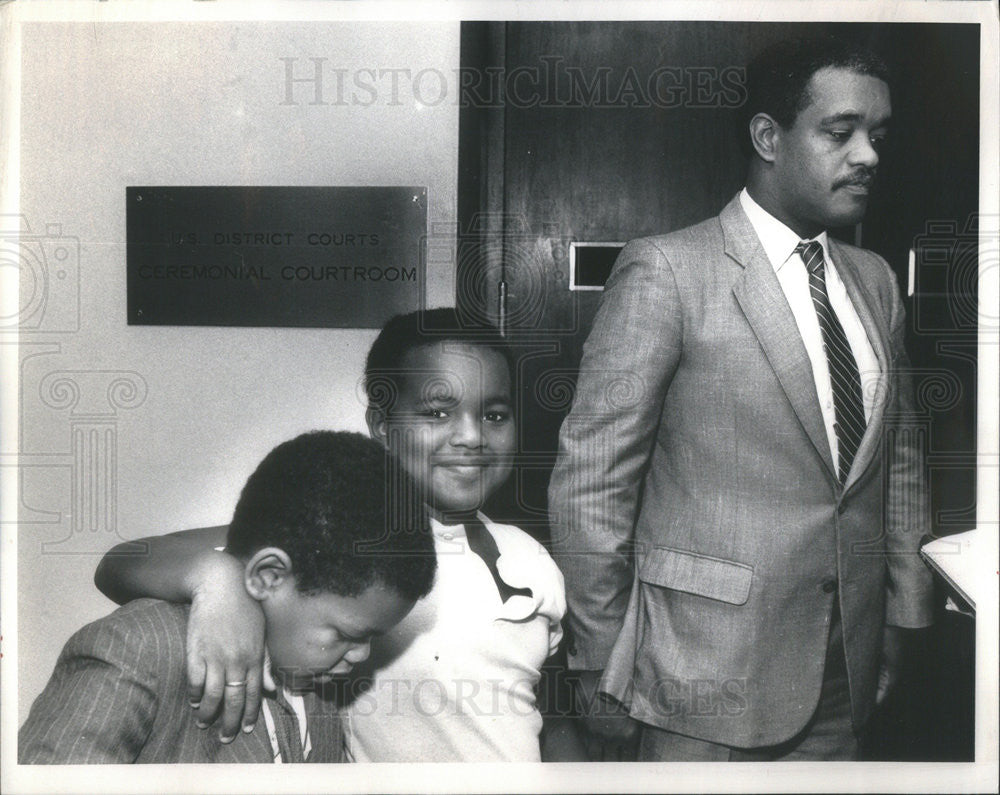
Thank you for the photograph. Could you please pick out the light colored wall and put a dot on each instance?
(109, 105)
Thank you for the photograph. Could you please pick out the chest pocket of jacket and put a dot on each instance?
(714, 578)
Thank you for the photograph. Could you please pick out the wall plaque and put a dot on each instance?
(340, 257)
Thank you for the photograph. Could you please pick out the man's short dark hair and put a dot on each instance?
(323, 499)
(778, 77)
(406, 333)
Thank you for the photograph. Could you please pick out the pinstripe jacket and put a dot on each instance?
(118, 694)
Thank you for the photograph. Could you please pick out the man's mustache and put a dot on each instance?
(862, 178)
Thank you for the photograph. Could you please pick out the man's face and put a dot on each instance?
(825, 162)
(313, 637)
(452, 426)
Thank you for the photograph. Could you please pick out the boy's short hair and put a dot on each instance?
(405, 333)
(323, 498)
(778, 77)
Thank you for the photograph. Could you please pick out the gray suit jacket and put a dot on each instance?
(118, 694)
(696, 512)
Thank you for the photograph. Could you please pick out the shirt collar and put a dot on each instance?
(270, 687)
(267, 679)
(451, 531)
(777, 240)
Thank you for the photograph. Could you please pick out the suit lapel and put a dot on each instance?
(877, 336)
(324, 729)
(246, 748)
(763, 302)
(258, 744)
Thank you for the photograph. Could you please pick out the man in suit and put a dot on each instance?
(309, 540)
(739, 496)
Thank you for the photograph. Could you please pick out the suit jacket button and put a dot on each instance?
(841, 509)
(571, 649)
(829, 585)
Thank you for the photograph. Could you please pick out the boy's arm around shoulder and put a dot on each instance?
(166, 567)
(225, 640)
(101, 700)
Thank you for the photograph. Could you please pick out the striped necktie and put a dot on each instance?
(286, 726)
(845, 380)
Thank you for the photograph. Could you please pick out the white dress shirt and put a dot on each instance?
(779, 242)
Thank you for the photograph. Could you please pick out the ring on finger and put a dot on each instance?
(240, 683)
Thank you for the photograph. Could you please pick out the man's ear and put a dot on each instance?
(375, 418)
(764, 133)
(265, 572)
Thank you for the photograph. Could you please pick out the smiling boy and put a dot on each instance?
(330, 567)
(456, 680)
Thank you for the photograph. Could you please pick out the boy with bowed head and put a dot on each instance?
(327, 567)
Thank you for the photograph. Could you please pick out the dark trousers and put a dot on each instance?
(828, 736)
